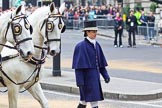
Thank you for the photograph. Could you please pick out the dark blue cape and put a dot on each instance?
(85, 53)
(89, 62)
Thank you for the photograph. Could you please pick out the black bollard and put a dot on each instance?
(56, 65)
(57, 58)
(5, 5)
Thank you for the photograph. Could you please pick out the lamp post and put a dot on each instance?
(5, 5)
(56, 59)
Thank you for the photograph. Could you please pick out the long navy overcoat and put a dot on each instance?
(89, 62)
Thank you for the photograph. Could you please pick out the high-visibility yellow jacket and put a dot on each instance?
(138, 15)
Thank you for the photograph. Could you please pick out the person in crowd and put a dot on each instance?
(160, 26)
(104, 10)
(137, 14)
(89, 62)
(91, 13)
(76, 20)
(110, 10)
(143, 26)
(118, 28)
(131, 22)
(151, 24)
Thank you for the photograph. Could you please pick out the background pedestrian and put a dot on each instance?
(131, 22)
(118, 28)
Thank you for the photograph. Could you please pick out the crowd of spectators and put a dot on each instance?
(92, 12)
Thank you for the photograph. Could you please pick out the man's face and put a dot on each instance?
(131, 13)
(92, 34)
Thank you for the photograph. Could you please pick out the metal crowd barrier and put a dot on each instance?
(102, 22)
(149, 32)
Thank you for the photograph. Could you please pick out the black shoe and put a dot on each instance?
(95, 107)
(81, 106)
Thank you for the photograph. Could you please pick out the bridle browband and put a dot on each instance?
(49, 26)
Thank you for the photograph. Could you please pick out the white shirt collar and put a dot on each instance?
(91, 40)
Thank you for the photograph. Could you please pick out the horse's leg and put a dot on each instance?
(13, 91)
(37, 92)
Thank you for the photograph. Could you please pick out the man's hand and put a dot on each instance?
(107, 80)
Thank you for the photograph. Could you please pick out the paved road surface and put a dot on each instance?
(62, 100)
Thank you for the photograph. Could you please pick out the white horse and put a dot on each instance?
(15, 29)
(47, 27)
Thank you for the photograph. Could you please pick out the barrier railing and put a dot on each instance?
(77, 23)
(150, 31)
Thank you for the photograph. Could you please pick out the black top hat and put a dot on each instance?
(90, 25)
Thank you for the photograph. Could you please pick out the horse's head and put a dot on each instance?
(52, 27)
(18, 32)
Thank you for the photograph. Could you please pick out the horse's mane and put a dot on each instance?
(4, 19)
(7, 14)
(38, 14)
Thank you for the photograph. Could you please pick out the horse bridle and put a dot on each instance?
(49, 27)
(17, 30)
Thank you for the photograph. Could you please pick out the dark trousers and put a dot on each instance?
(118, 32)
(130, 38)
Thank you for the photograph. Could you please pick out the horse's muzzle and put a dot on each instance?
(28, 54)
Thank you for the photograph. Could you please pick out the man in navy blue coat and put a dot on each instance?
(89, 62)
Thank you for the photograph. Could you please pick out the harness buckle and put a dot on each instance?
(36, 79)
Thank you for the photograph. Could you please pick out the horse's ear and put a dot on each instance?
(62, 8)
(52, 7)
(18, 9)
